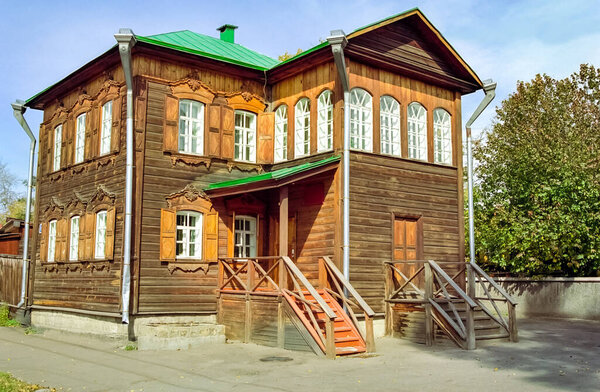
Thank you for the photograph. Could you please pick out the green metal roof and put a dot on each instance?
(274, 175)
(215, 48)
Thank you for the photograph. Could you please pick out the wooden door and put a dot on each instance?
(407, 246)
(292, 251)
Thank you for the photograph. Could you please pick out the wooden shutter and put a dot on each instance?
(213, 139)
(82, 237)
(168, 229)
(266, 129)
(109, 248)
(44, 243)
(91, 130)
(68, 136)
(90, 236)
(49, 156)
(61, 240)
(171, 127)
(64, 147)
(115, 136)
(227, 131)
(211, 236)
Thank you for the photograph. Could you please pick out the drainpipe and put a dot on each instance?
(489, 87)
(338, 42)
(126, 40)
(18, 111)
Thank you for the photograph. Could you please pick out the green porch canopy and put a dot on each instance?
(272, 179)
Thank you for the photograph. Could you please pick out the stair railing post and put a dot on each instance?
(330, 338)
(512, 323)
(389, 310)
(428, 306)
(370, 337)
(470, 316)
(322, 274)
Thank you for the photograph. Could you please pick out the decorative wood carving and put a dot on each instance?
(246, 167)
(188, 267)
(103, 195)
(54, 208)
(190, 160)
(189, 194)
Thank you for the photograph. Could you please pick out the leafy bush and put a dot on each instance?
(5, 320)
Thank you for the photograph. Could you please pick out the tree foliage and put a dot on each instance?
(11, 205)
(538, 191)
(286, 55)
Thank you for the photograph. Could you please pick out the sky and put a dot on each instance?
(504, 40)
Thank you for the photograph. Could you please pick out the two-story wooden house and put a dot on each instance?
(237, 182)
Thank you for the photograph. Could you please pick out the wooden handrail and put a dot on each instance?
(452, 284)
(342, 279)
(494, 284)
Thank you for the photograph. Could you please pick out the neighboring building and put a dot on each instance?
(225, 138)
(11, 237)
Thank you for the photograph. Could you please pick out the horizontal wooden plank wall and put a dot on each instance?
(10, 279)
(381, 186)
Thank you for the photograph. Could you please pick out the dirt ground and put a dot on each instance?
(552, 355)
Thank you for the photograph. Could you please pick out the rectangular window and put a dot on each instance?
(57, 146)
(80, 139)
(191, 127)
(245, 136)
(100, 246)
(51, 240)
(189, 235)
(106, 128)
(74, 239)
(245, 236)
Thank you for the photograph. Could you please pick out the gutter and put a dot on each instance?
(338, 42)
(489, 87)
(126, 40)
(18, 111)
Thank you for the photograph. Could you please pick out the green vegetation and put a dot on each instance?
(537, 198)
(130, 347)
(5, 320)
(287, 56)
(10, 384)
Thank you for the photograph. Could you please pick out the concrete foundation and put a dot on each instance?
(178, 336)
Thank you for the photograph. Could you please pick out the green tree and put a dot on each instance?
(7, 193)
(538, 190)
(287, 55)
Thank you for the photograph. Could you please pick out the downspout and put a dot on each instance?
(489, 87)
(126, 41)
(338, 42)
(18, 111)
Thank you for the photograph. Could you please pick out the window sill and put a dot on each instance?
(189, 159)
(75, 168)
(75, 265)
(189, 265)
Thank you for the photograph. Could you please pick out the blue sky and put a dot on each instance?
(506, 40)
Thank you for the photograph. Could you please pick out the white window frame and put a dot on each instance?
(74, 238)
(302, 128)
(184, 234)
(80, 139)
(361, 120)
(100, 243)
(442, 136)
(281, 133)
(52, 240)
(245, 136)
(188, 142)
(105, 133)
(241, 246)
(57, 147)
(325, 122)
(389, 124)
(417, 131)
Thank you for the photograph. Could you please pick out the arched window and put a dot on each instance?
(74, 239)
(245, 136)
(325, 122)
(417, 131)
(100, 245)
(389, 110)
(106, 130)
(361, 120)
(189, 235)
(442, 137)
(302, 127)
(57, 147)
(80, 139)
(51, 240)
(281, 133)
(191, 127)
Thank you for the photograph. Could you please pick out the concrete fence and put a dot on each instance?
(10, 279)
(554, 297)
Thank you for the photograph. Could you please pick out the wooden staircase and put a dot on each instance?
(347, 338)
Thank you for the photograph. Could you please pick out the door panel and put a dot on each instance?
(407, 246)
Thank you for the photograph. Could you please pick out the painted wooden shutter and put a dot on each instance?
(69, 139)
(211, 235)
(213, 139)
(61, 240)
(109, 248)
(90, 235)
(44, 243)
(266, 129)
(64, 147)
(91, 131)
(49, 156)
(82, 236)
(115, 135)
(168, 229)
(171, 127)
(228, 129)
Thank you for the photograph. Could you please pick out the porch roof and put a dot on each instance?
(272, 179)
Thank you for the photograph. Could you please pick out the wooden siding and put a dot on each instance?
(381, 186)
(10, 279)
